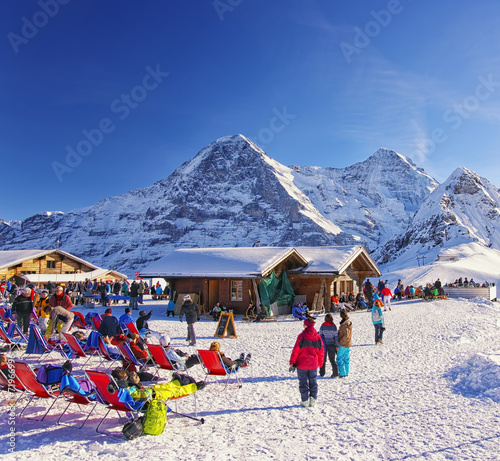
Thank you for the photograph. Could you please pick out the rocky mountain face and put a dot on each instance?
(374, 199)
(464, 209)
(233, 194)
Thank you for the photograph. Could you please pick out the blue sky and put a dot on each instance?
(101, 97)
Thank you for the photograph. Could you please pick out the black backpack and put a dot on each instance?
(134, 429)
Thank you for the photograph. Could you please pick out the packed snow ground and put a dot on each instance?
(432, 391)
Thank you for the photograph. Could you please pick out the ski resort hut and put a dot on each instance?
(57, 266)
(236, 277)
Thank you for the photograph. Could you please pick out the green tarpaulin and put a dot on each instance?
(274, 289)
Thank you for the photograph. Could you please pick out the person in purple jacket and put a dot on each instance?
(307, 355)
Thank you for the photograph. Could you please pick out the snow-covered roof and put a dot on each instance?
(333, 259)
(12, 257)
(75, 277)
(253, 261)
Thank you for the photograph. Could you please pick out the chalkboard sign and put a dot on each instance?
(225, 327)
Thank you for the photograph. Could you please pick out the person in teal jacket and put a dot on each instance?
(378, 323)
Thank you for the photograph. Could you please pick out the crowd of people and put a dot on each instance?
(52, 309)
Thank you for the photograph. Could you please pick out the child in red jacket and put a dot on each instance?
(307, 355)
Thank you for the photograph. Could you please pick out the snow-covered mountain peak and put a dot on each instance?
(464, 209)
(232, 194)
(464, 181)
(224, 154)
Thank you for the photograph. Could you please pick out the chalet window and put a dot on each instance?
(51, 264)
(236, 290)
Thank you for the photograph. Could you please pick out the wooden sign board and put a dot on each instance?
(225, 327)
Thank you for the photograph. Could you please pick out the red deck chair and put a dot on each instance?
(214, 366)
(77, 323)
(160, 357)
(75, 347)
(33, 388)
(14, 389)
(96, 321)
(132, 328)
(110, 399)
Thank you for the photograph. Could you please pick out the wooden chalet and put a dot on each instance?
(231, 275)
(42, 266)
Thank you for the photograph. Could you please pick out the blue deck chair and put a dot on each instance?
(81, 392)
(9, 339)
(37, 344)
(129, 357)
(95, 345)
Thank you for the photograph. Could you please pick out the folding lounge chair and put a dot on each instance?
(70, 389)
(110, 399)
(15, 331)
(75, 348)
(214, 366)
(78, 324)
(13, 388)
(96, 321)
(34, 316)
(161, 359)
(6, 315)
(129, 356)
(37, 344)
(96, 346)
(10, 340)
(132, 328)
(33, 388)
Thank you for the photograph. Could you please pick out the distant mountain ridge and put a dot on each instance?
(464, 209)
(233, 194)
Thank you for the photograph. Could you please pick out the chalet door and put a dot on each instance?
(213, 293)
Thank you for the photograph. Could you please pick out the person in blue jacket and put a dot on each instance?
(378, 323)
(330, 336)
(299, 312)
(126, 319)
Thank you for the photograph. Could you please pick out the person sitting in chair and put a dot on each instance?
(299, 312)
(179, 359)
(230, 364)
(215, 312)
(180, 386)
